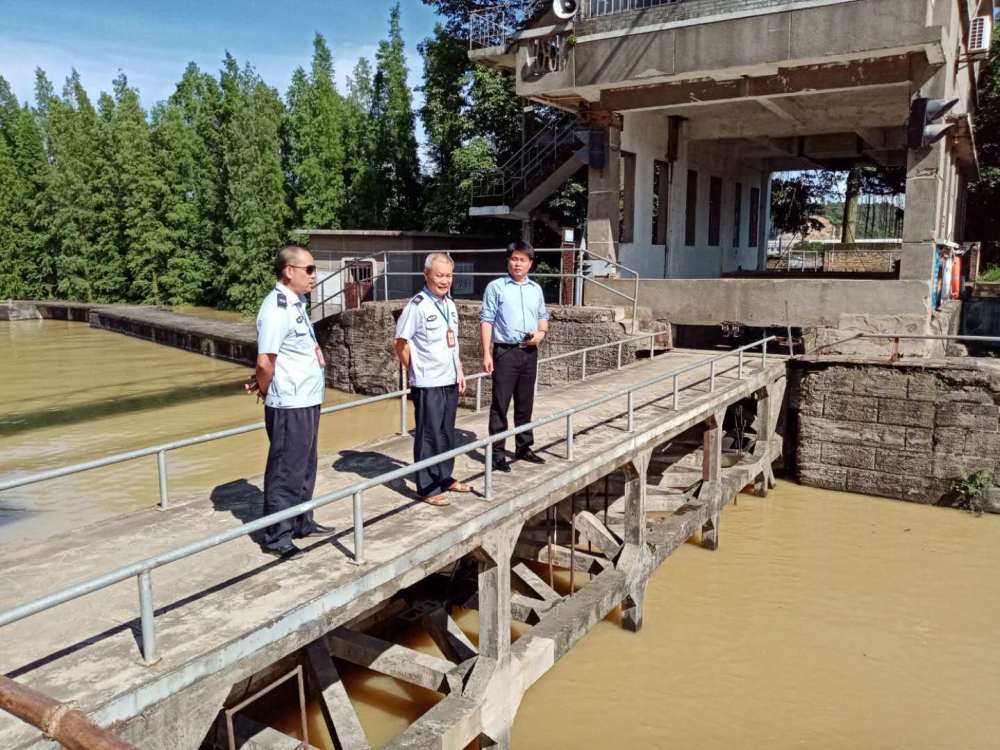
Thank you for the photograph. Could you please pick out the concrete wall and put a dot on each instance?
(645, 135)
(905, 431)
(660, 42)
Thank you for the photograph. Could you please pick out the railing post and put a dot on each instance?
(635, 307)
(385, 275)
(146, 616)
(583, 371)
(402, 402)
(741, 365)
(488, 478)
(569, 437)
(479, 394)
(619, 355)
(763, 356)
(677, 393)
(359, 528)
(631, 411)
(711, 376)
(161, 470)
(652, 344)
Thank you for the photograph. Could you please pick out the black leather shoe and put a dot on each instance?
(318, 529)
(530, 456)
(288, 552)
(502, 466)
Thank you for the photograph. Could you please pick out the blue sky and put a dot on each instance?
(152, 41)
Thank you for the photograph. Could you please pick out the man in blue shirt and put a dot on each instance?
(290, 376)
(513, 322)
(427, 346)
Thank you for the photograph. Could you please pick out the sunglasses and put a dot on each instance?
(310, 270)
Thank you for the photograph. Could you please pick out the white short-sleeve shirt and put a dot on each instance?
(424, 323)
(284, 329)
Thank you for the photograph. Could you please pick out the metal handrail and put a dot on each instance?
(579, 275)
(142, 570)
(162, 449)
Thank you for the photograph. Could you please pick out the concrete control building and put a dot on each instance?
(691, 105)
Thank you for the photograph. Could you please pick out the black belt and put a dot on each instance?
(499, 345)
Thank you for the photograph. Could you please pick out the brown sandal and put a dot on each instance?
(459, 487)
(436, 500)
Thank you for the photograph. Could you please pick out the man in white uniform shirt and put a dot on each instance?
(290, 373)
(427, 345)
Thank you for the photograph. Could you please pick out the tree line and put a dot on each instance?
(186, 203)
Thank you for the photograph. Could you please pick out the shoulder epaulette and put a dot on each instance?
(282, 300)
(418, 299)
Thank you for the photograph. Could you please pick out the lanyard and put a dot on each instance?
(309, 325)
(443, 311)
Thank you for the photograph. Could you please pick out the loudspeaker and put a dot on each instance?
(565, 9)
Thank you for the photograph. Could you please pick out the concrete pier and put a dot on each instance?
(231, 614)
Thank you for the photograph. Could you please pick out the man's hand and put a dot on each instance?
(461, 383)
(488, 362)
(536, 338)
(252, 387)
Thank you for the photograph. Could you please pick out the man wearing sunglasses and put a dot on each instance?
(290, 375)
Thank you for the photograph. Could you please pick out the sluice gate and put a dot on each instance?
(639, 461)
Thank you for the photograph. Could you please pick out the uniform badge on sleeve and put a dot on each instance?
(418, 299)
(282, 300)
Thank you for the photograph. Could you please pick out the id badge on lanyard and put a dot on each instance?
(445, 313)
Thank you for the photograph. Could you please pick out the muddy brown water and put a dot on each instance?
(824, 621)
(73, 394)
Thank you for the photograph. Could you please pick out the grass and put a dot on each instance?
(992, 274)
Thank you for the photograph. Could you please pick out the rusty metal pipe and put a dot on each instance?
(68, 726)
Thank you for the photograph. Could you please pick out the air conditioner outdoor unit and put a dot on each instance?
(980, 35)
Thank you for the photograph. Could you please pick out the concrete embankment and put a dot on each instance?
(228, 340)
(909, 430)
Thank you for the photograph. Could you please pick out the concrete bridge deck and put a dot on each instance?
(227, 613)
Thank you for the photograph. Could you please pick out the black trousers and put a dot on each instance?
(290, 477)
(514, 373)
(435, 409)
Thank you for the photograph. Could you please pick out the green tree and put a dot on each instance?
(255, 209)
(983, 218)
(11, 225)
(316, 142)
(80, 191)
(359, 143)
(186, 145)
(36, 240)
(397, 167)
(145, 245)
(9, 110)
(446, 124)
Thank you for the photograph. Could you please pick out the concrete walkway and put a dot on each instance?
(227, 611)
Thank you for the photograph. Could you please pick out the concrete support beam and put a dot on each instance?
(562, 557)
(494, 558)
(341, 718)
(534, 582)
(712, 477)
(603, 211)
(765, 432)
(392, 659)
(448, 636)
(634, 558)
(595, 532)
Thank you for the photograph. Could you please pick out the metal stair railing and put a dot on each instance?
(529, 167)
(142, 570)
(496, 25)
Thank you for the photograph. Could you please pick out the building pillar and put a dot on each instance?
(764, 221)
(603, 211)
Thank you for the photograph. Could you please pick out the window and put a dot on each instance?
(691, 210)
(754, 240)
(714, 211)
(661, 187)
(626, 229)
(737, 214)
